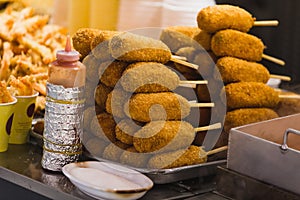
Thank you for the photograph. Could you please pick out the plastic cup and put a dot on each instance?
(6, 119)
(22, 123)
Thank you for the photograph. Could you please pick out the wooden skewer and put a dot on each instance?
(204, 105)
(210, 127)
(179, 57)
(284, 78)
(217, 150)
(266, 23)
(182, 62)
(274, 60)
(289, 96)
(192, 84)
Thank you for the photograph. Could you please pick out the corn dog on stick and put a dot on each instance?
(131, 47)
(146, 107)
(183, 157)
(149, 77)
(237, 70)
(250, 95)
(162, 136)
(220, 17)
(240, 117)
(240, 45)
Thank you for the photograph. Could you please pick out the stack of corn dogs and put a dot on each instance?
(134, 114)
(222, 32)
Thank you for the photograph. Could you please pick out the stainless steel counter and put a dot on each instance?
(21, 175)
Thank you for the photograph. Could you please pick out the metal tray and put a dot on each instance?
(163, 176)
(268, 151)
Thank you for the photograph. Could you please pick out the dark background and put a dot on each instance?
(282, 41)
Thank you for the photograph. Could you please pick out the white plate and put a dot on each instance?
(106, 180)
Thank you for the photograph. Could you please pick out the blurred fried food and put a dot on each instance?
(5, 96)
(28, 43)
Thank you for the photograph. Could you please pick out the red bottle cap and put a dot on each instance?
(67, 55)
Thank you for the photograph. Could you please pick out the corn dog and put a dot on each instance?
(245, 116)
(115, 102)
(101, 94)
(82, 40)
(178, 158)
(163, 136)
(125, 130)
(131, 47)
(250, 95)
(110, 72)
(237, 44)
(219, 17)
(103, 126)
(146, 77)
(145, 107)
(237, 70)
(133, 158)
(114, 151)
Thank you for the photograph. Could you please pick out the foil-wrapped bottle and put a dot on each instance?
(64, 110)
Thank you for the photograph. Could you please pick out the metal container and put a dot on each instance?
(268, 151)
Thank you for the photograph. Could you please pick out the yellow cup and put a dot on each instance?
(6, 119)
(22, 123)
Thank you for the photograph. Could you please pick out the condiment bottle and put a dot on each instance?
(64, 110)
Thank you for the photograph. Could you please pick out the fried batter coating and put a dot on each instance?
(114, 151)
(126, 129)
(103, 126)
(237, 70)
(133, 158)
(203, 38)
(131, 47)
(219, 17)
(245, 116)
(148, 77)
(101, 94)
(100, 45)
(115, 102)
(146, 107)
(88, 115)
(110, 72)
(250, 95)
(82, 40)
(237, 44)
(183, 157)
(176, 37)
(163, 136)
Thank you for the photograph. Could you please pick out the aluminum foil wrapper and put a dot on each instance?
(63, 126)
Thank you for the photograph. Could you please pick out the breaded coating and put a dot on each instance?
(203, 38)
(114, 151)
(146, 107)
(237, 44)
(82, 40)
(100, 45)
(183, 157)
(95, 146)
(92, 65)
(101, 94)
(250, 95)
(175, 38)
(89, 92)
(149, 77)
(103, 126)
(220, 17)
(131, 47)
(126, 129)
(245, 116)
(133, 158)
(110, 72)
(116, 101)
(237, 70)
(206, 62)
(163, 136)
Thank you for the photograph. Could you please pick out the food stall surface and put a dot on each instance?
(21, 175)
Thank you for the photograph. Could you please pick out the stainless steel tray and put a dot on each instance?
(267, 151)
(163, 176)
